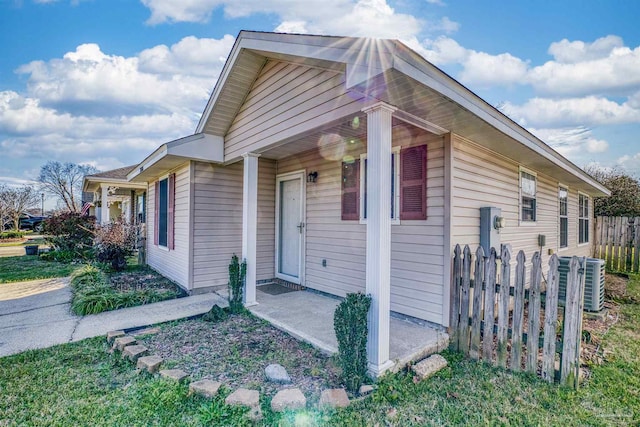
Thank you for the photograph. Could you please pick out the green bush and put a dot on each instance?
(70, 233)
(13, 234)
(350, 324)
(237, 273)
(216, 314)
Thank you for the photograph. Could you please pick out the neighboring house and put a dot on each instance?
(113, 190)
(349, 164)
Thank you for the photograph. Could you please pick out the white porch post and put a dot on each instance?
(378, 263)
(250, 224)
(104, 209)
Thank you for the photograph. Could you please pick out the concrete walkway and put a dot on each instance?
(308, 316)
(36, 314)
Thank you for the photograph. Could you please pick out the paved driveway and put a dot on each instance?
(35, 314)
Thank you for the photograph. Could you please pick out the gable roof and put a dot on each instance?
(120, 173)
(389, 71)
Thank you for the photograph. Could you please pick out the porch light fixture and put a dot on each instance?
(312, 177)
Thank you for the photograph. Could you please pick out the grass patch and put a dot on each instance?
(80, 384)
(95, 291)
(19, 268)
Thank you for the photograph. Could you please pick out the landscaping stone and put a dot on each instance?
(335, 398)
(244, 397)
(121, 342)
(365, 389)
(150, 363)
(112, 335)
(207, 388)
(133, 352)
(277, 374)
(291, 398)
(429, 366)
(146, 331)
(174, 374)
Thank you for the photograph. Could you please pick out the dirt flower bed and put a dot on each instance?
(236, 351)
(140, 278)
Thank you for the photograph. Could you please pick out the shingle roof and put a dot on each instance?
(120, 173)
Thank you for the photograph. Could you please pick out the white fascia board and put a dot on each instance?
(205, 147)
(228, 65)
(468, 100)
(201, 146)
(151, 159)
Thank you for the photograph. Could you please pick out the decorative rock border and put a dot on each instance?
(286, 399)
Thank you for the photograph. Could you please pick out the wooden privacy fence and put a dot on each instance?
(617, 241)
(512, 326)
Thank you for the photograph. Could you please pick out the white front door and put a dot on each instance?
(290, 226)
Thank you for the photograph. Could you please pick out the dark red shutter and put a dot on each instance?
(171, 212)
(351, 190)
(413, 183)
(156, 213)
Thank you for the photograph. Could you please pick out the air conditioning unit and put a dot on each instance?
(593, 286)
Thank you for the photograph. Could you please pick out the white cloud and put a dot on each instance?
(358, 18)
(588, 111)
(604, 67)
(571, 141)
(292, 27)
(38, 133)
(571, 52)
(161, 78)
(630, 163)
(436, 2)
(479, 68)
(446, 25)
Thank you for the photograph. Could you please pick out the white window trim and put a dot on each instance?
(521, 222)
(588, 242)
(162, 247)
(566, 188)
(396, 184)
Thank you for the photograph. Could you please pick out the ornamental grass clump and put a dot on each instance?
(350, 324)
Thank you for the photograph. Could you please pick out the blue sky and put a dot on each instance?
(105, 82)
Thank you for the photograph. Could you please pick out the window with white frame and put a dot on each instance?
(563, 196)
(528, 188)
(163, 212)
(583, 218)
(395, 182)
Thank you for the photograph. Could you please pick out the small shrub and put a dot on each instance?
(13, 234)
(71, 234)
(237, 273)
(114, 242)
(350, 324)
(65, 256)
(216, 314)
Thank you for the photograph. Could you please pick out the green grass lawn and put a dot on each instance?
(18, 268)
(80, 384)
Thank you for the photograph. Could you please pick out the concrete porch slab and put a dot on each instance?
(308, 316)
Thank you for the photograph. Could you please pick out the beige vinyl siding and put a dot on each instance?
(218, 221)
(417, 247)
(265, 251)
(173, 264)
(485, 178)
(285, 100)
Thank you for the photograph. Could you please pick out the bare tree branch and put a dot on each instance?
(64, 180)
(18, 200)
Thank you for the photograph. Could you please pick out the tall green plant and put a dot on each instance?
(350, 324)
(237, 273)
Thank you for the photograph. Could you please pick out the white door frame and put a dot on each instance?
(300, 174)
